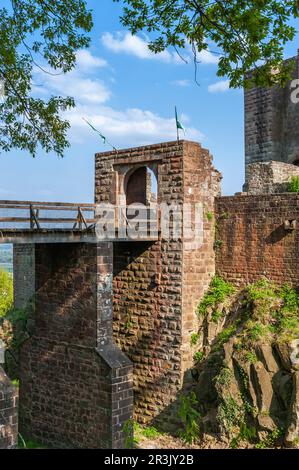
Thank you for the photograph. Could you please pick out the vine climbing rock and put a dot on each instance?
(8, 413)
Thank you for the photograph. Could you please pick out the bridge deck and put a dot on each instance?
(57, 222)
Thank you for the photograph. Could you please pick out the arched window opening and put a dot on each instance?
(152, 187)
(141, 187)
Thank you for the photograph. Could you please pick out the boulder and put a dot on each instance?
(283, 351)
(265, 354)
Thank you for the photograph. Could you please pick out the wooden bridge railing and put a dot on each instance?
(20, 216)
(28, 215)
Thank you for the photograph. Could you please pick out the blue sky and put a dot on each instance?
(129, 94)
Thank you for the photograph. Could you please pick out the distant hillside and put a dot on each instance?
(6, 262)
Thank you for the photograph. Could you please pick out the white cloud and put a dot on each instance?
(219, 87)
(76, 84)
(87, 61)
(134, 45)
(206, 57)
(181, 83)
(129, 127)
(132, 126)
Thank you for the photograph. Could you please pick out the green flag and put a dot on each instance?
(100, 134)
(178, 124)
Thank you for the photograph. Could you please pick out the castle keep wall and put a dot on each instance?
(271, 123)
(270, 177)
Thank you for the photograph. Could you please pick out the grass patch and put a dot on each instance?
(218, 292)
(293, 186)
(198, 356)
(194, 339)
(151, 432)
(274, 313)
(225, 335)
(29, 444)
(216, 315)
(251, 357)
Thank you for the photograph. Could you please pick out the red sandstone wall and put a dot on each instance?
(252, 241)
(201, 184)
(147, 321)
(75, 392)
(157, 286)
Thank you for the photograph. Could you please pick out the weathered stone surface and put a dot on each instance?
(271, 124)
(269, 177)
(284, 353)
(293, 418)
(265, 355)
(263, 387)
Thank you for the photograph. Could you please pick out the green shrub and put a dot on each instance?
(230, 414)
(151, 432)
(216, 315)
(6, 292)
(251, 357)
(271, 439)
(194, 339)
(225, 335)
(224, 377)
(129, 428)
(189, 418)
(293, 186)
(198, 356)
(219, 290)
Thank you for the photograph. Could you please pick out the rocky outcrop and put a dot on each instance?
(247, 391)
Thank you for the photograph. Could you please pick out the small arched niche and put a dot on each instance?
(141, 186)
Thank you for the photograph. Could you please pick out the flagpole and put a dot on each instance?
(176, 123)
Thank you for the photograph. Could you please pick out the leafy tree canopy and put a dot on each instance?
(249, 35)
(38, 33)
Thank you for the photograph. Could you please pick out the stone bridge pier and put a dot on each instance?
(75, 384)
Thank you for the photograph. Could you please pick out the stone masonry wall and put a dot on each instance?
(201, 184)
(157, 285)
(252, 241)
(269, 177)
(148, 321)
(24, 274)
(271, 124)
(76, 386)
(8, 413)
